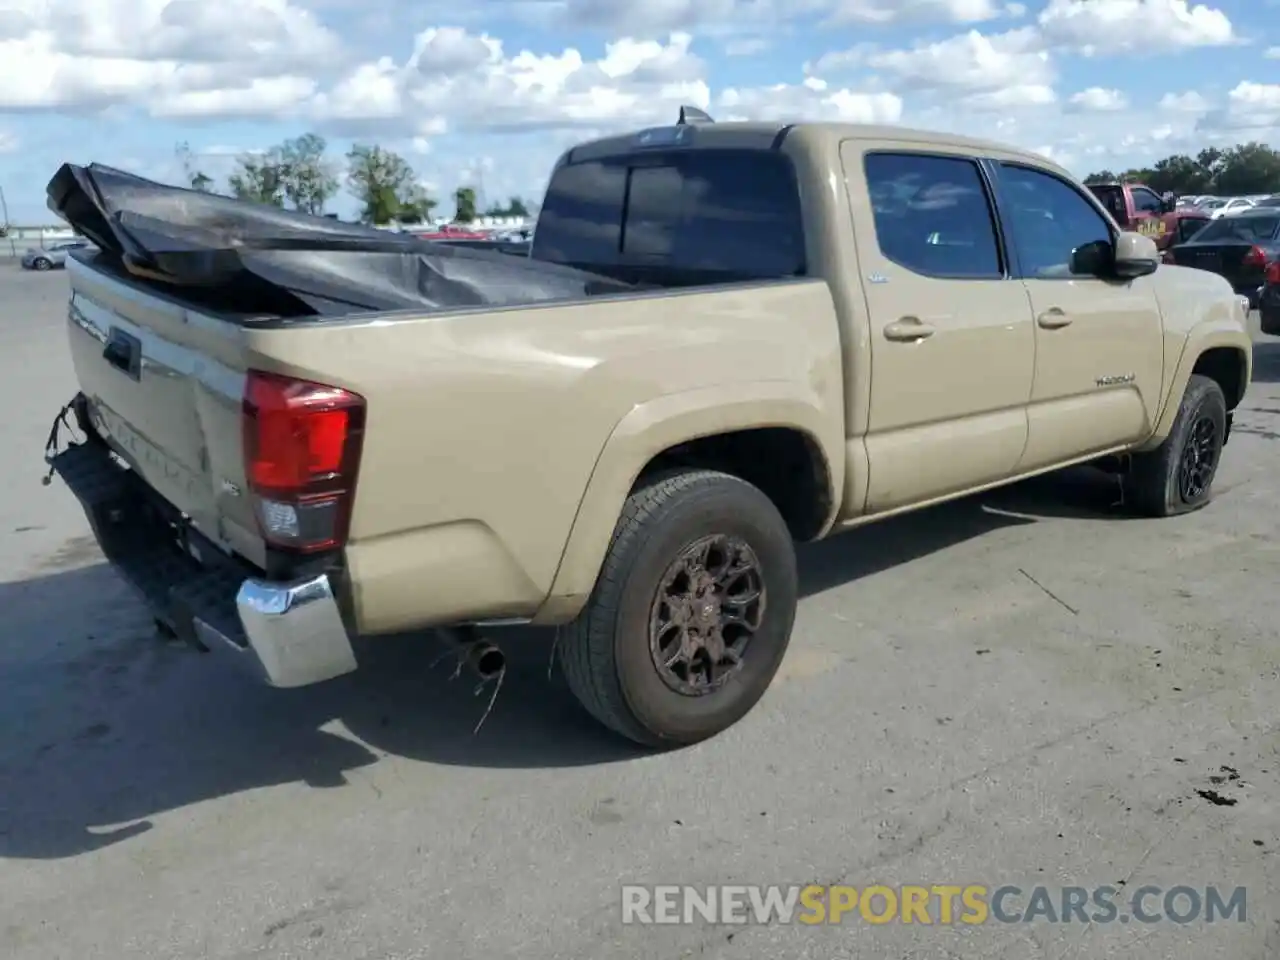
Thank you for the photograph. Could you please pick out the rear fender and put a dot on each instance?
(660, 424)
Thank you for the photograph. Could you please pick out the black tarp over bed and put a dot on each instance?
(257, 258)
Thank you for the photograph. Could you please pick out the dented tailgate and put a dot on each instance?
(164, 385)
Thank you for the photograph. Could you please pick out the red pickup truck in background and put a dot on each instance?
(453, 231)
(1137, 207)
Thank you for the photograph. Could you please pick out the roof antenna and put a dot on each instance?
(692, 115)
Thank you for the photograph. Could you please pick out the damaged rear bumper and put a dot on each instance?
(288, 634)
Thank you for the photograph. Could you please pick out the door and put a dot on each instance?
(1148, 214)
(1099, 355)
(952, 343)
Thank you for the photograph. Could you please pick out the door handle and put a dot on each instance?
(1053, 319)
(909, 330)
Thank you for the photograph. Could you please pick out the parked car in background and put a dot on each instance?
(1240, 247)
(453, 231)
(1268, 202)
(1163, 218)
(1234, 205)
(53, 256)
(1269, 300)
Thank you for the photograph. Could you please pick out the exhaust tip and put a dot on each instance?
(487, 660)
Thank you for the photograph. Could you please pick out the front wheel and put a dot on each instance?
(41, 264)
(1177, 477)
(692, 612)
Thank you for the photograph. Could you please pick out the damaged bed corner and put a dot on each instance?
(249, 258)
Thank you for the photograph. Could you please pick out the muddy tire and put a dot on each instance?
(692, 612)
(1177, 477)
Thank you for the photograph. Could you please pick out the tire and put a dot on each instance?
(1154, 484)
(606, 652)
(41, 264)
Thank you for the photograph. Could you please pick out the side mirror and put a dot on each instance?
(1169, 204)
(1135, 256)
(1093, 259)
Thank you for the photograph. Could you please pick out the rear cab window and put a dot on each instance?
(676, 217)
(1240, 229)
(1111, 196)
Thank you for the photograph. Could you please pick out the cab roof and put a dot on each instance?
(761, 135)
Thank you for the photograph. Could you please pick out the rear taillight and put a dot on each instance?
(302, 444)
(1256, 257)
(1273, 273)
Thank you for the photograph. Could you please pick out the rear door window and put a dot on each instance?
(933, 216)
(707, 214)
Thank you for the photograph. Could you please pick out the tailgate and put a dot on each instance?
(164, 386)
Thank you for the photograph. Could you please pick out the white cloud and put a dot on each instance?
(9, 142)
(971, 62)
(1144, 27)
(1189, 102)
(96, 53)
(1099, 100)
(1272, 53)
(811, 99)
(889, 11)
(1251, 109)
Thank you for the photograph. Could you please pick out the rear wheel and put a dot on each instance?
(1177, 477)
(40, 263)
(691, 615)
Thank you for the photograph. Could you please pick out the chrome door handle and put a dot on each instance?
(1053, 319)
(908, 330)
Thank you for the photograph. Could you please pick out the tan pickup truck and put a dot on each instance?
(728, 338)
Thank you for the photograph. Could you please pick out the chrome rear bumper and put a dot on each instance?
(293, 634)
(288, 634)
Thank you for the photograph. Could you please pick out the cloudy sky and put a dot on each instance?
(489, 91)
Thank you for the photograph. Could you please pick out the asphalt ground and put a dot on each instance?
(1026, 688)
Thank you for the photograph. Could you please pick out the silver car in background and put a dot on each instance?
(53, 256)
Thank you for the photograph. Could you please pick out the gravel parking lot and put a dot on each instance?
(1024, 689)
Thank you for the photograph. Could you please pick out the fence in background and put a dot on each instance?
(22, 239)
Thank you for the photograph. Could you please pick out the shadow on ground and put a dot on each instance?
(102, 723)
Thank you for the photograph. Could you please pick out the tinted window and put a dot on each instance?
(1049, 219)
(714, 213)
(1188, 227)
(932, 215)
(1250, 228)
(1112, 198)
(1144, 201)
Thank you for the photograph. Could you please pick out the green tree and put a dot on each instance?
(259, 178)
(515, 207)
(1249, 168)
(309, 181)
(386, 186)
(464, 199)
(1180, 174)
(1246, 168)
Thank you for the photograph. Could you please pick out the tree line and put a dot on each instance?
(1247, 168)
(299, 174)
